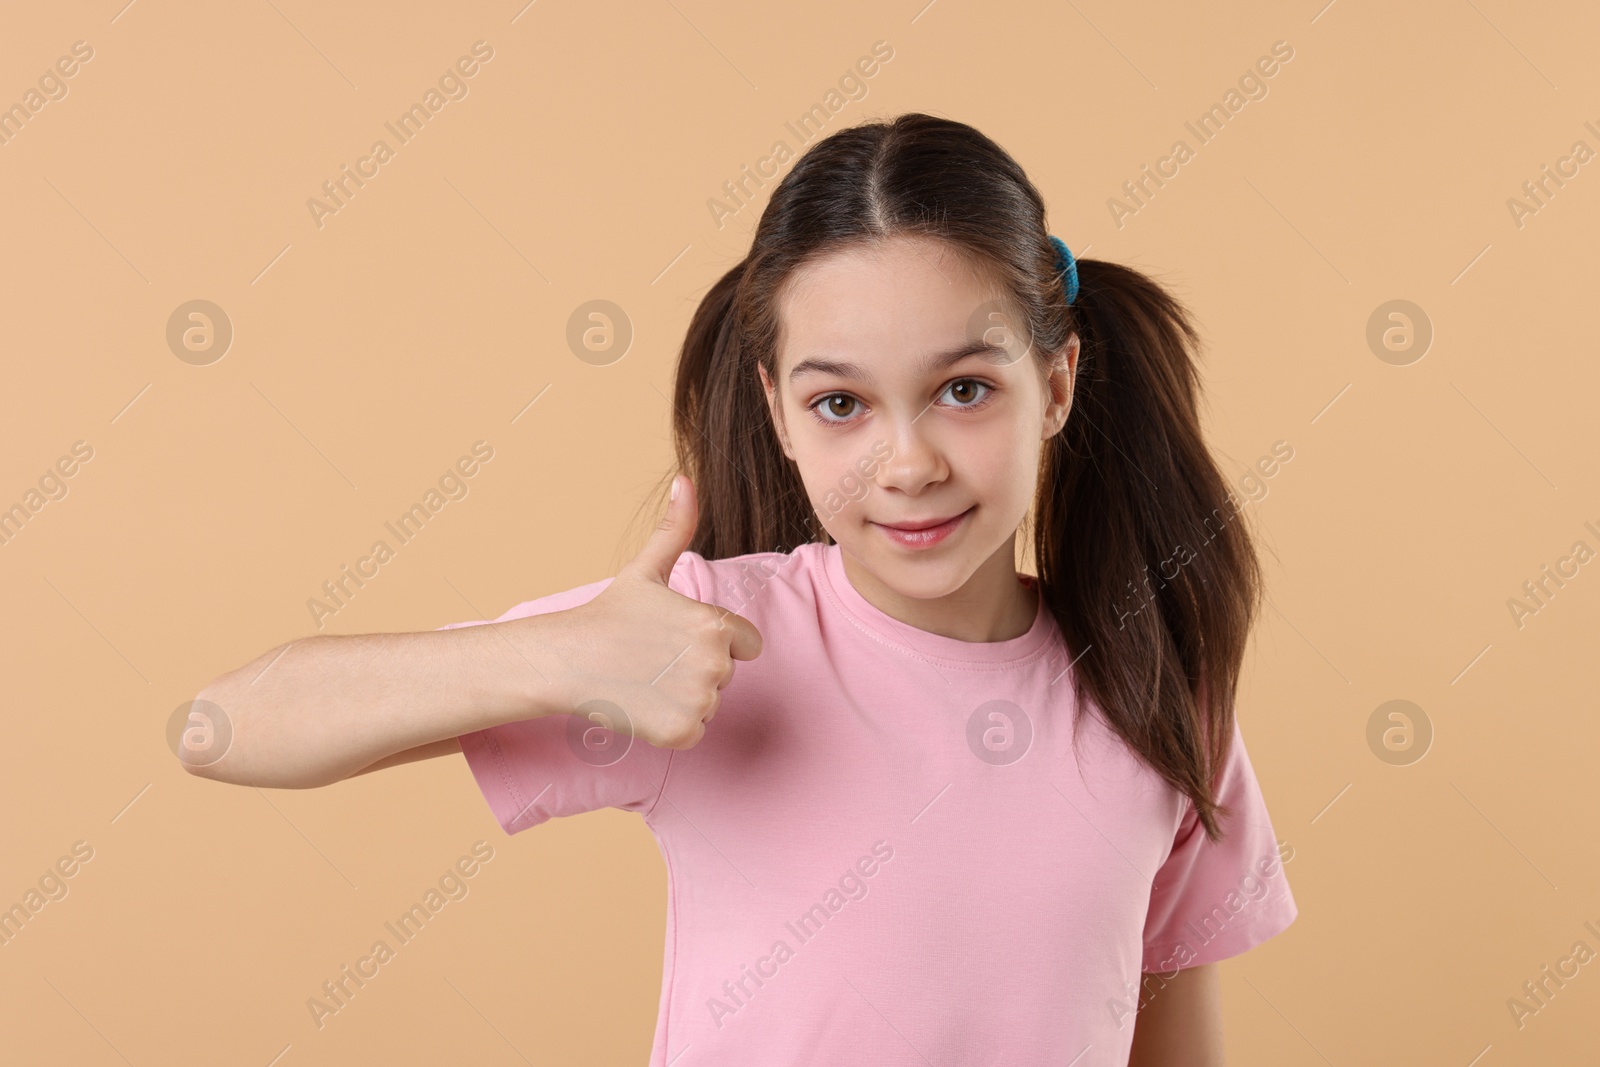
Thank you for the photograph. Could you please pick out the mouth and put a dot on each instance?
(923, 533)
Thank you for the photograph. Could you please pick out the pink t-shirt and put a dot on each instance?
(885, 851)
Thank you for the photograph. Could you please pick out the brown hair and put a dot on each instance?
(1126, 487)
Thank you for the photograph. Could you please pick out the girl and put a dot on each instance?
(942, 812)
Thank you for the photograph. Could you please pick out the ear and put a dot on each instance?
(776, 411)
(1062, 380)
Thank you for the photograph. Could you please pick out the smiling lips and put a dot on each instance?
(922, 534)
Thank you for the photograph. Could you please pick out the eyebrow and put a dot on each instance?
(936, 362)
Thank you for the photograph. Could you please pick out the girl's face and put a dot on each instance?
(902, 399)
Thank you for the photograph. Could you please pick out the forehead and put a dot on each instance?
(879, 303)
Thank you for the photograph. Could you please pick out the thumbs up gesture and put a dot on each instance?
(663, 657)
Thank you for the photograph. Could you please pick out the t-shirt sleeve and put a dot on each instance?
(1212, 900)
(535, 769)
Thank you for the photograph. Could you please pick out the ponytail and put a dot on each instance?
(1142, 555)
(750, 494)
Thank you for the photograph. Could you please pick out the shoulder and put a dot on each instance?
(756, 581)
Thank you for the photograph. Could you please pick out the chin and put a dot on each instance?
(919, 575)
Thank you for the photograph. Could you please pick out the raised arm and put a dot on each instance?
(326, 707)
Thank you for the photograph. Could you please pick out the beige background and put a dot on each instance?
(428, 313)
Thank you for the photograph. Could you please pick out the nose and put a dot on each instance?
(918, 460)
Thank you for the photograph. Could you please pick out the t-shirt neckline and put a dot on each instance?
(907, 638)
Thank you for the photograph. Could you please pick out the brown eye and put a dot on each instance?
(965, 393)
(835, 407)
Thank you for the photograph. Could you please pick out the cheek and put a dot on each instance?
(1002, 474)
(1001, 460)
(830, 465)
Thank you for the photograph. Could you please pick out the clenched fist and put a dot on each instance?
(662, 657)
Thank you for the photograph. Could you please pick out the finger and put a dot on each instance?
(692, 740)
(671, 537)
(744, 640)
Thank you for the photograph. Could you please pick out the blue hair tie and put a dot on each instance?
(1067, 266)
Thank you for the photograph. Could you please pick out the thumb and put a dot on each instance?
(655, 560)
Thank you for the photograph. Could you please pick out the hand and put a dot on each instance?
(662, 657)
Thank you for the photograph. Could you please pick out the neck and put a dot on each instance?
(993, 605)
